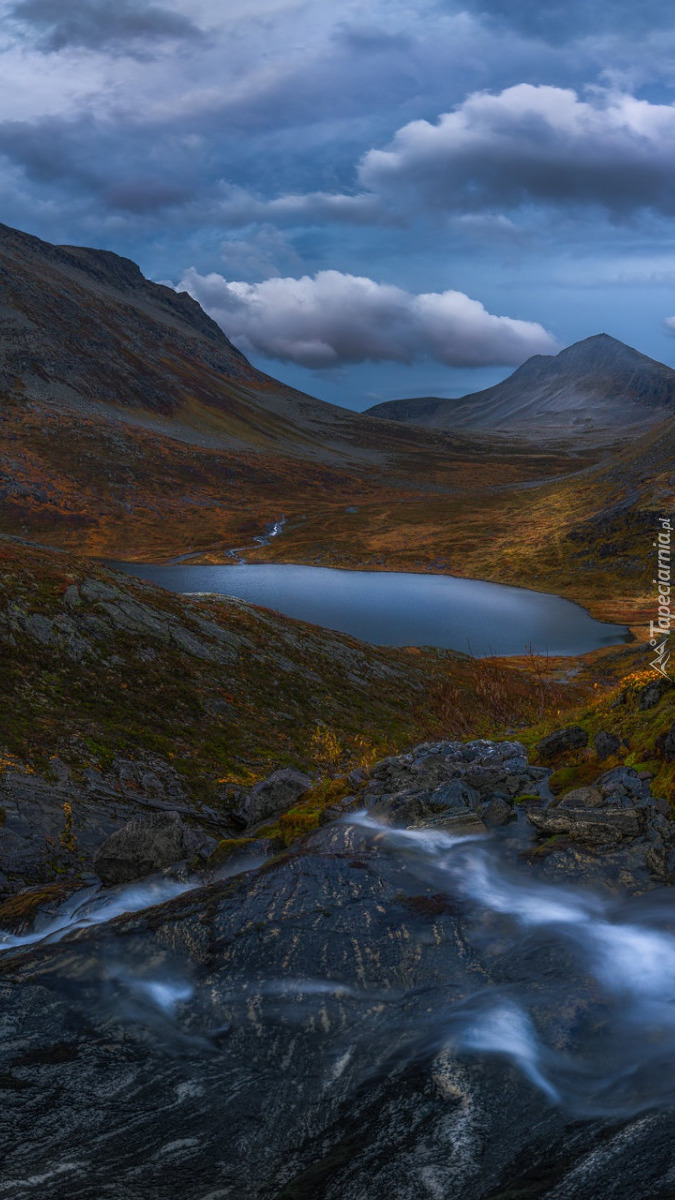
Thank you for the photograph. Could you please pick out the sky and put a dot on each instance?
(408, 197)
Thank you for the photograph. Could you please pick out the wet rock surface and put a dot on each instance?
(320, 1028)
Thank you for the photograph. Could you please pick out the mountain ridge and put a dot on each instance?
(595, 386)
(130, 424)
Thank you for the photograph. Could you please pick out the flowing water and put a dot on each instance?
(579, 992)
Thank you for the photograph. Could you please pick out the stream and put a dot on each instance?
(579, 995)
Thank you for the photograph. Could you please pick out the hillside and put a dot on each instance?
(598, 387)
(130, 425)
(118, 697)
(84, 331)
(586, 536)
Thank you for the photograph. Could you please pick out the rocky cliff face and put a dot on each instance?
(381, 1011)
(594, 387)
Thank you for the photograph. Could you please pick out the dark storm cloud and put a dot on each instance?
(52, 150)
(102, 24)
(114, 172)
(144, 195)
(369, 39)
(572, 19)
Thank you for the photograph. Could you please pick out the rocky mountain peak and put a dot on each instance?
(593, 387)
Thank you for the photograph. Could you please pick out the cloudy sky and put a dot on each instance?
(402, 198)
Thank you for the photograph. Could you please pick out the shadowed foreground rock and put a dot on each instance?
(147, 844)
(572, 738)
(287, 1035)
(271, 796)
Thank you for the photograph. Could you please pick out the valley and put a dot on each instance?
(286, 914)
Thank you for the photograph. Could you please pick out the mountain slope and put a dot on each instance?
(83, 331)
(595, 386)
(131, 427)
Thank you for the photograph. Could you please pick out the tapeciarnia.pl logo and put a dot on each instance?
(659, 630)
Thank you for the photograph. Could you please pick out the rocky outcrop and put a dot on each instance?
(460, 787)
(296, 1032)
(651, 694)
(592, 827)
(55, 824)
(272, 796)
(147, 844)
(572, 738)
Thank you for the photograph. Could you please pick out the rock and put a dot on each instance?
(458, 822)
(583, 797)
(594, 827)
(273, 795)
(365, 966)
(147, 844)
(342, 808)
(669, 744)
(497, 812)
(233, 851)
(484, 751)
(651, 694)
(572, 738)
(415, 808)
(623, 781)
(357, 777)
(40, 628)
(605, 744)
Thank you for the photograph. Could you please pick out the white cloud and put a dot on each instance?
(527, 145)
(531, 143)
(334, 318)
(670, 325)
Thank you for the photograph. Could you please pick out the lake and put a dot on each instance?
(398, 609)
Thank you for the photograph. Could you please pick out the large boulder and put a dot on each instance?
(571, 738)
(605, 744)
(591, 827)
(583, 797)
(147, 844)
(623, 783)
(450, 807)
(272, 796)
(652, 693)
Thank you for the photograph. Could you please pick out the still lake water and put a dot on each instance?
(396, 609)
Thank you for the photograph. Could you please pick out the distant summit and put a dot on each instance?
(598, 386)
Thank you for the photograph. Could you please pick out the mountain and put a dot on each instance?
(596, 387)
(83, 331)
(586, 534)
(130, 424)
